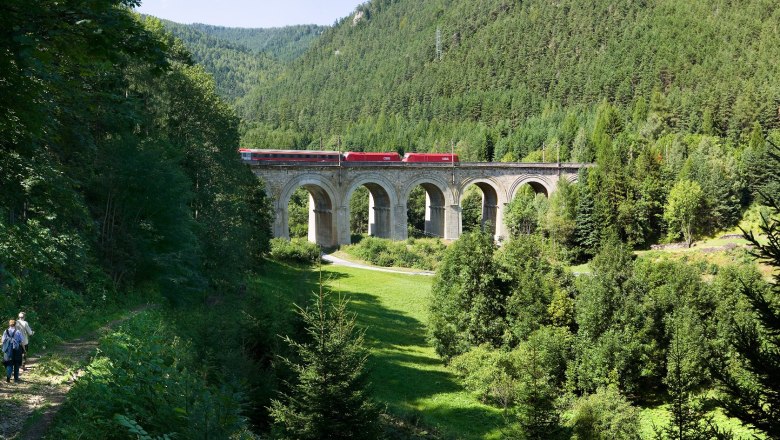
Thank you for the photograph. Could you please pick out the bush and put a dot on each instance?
(489, 373)
(295, 251)
(147, 374)
(413, 253)
(604, 415)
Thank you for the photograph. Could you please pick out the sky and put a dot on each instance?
(250, 13)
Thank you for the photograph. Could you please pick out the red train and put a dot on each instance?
(430, 157)
(254, 156)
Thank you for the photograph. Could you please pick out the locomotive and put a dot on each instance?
(253, 156)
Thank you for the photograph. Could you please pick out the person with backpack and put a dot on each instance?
(12, 351)
(24, 328)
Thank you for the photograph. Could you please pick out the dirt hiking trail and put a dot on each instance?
(28, 407)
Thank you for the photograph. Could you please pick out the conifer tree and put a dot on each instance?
(752, 385)
(330, 399)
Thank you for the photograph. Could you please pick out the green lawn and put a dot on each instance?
(407, 375)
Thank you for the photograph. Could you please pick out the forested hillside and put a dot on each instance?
(284, 43)
(241, 59)
(509, 73)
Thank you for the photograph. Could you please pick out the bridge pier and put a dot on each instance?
(343, 235)
(379, 219)
(452, 225)
(400, 225)
(434, 216)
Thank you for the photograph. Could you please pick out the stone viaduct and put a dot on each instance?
(330, 187)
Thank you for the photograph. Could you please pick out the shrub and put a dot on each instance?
(145, 373)
(489, 373)
(605, 414)
(294, 251)
(414, 253)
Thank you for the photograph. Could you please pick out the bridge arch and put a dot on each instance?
(493, 201)
(539, 184)
(438, 197)
(323, 201)
(382, 199)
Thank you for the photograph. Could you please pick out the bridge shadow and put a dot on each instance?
(410, 379)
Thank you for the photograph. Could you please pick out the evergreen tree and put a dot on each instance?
(687, 422)
(330, 399)
(468, 307)
(751, 381)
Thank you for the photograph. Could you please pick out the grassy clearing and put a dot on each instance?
(658, 416)
(406, 373)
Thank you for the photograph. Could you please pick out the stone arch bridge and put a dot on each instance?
(330, 187)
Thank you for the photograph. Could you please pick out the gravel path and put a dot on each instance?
(341, 262)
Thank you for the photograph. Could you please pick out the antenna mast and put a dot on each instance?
(438, 43)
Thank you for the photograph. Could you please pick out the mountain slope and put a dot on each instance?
(284, 43)
(240, 59)
(376, 79)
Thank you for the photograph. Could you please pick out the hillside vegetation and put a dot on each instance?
(241, 59)
(510, 72)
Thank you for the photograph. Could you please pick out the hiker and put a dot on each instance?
(12, 351)
(24, 327)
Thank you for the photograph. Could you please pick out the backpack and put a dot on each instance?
(9, 346)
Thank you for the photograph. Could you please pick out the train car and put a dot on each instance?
(352, 156)
(260, 156)
(431, 157)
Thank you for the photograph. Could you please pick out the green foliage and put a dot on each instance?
(415, 213)
(296, 250)
(489, 373)
(526, 211)
(358, 211)
(148, 375)
(417, 253)
(525, 381)
(330, 397)
(471, 209)
(500, 298)
(239, 58)
(536, 414)
(467, 307)
(124, 173)
(605, 414)
(298, 212)
(529, 281)
(285, 43)
(683, 378)
(749, 379)
(627, 313)
(133, 428)
(682, 209)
